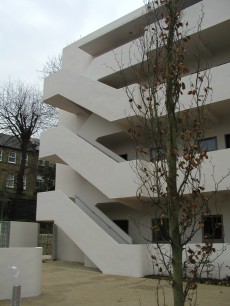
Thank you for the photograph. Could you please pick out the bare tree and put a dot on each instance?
(4, 204)
(23, 115)
(47, 173)
(170, 121)
(52, 65)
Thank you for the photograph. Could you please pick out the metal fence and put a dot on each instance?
(4, 234)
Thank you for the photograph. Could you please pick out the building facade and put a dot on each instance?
(39, 176)
(99, 219)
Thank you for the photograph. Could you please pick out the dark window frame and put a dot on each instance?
(206, 140)
(227, 141)
(39, 183)
(161, 236)
(12, 180)
(124, 156)
(155, 153)
(123, 224)
(11, 157)
(213, 223)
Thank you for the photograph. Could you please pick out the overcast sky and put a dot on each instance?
(32, 30)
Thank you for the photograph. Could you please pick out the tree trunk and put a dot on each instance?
(174, 211)
(174, 230)
(177, 263)
(21, 171)
(172, 81)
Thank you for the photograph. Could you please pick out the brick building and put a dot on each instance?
(39, 176)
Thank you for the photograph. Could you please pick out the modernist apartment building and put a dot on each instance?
(98, 218)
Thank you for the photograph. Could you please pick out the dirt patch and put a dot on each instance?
(69, 284)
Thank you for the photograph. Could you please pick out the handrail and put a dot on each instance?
(87, 209)
(103, 149)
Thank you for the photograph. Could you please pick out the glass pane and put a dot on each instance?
(227, 140)
(213, 227)
(208, 144)
(160, 228)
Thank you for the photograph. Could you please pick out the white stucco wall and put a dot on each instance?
(218, 262)
(29, 263)
(96, 127)
(67, 249)
(140, 222)
(68, 180)
(73, 122)
(23, 234)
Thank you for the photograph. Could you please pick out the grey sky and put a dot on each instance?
(32, 30)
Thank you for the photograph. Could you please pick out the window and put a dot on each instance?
(12, 158)
(160, 229)
(40, 182)
(208, 144)
(124, 156)
(155, 153)
(24, 182)
(10, 181)
(0, 155)
(123, 224)
(213, 228)
(227, 141)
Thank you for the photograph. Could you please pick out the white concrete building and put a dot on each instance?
(94, 205)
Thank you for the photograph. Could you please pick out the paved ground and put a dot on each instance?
(66, 284)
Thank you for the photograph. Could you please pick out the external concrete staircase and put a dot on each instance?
(110, 256)
(98, 237)
(76, 93)
(91, 163)
(104, 222)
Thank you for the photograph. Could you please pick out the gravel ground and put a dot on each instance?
(69, 284)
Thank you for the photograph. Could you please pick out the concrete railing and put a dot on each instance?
(103, 149)
(90, 162)
(107, 224)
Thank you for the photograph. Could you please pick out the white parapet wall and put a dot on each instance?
(217, 265)
(18, 234)
(29, 263)
(23, 234)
